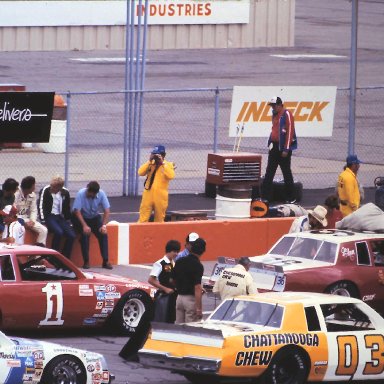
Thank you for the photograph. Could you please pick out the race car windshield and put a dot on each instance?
(242, 311)
(306, 248)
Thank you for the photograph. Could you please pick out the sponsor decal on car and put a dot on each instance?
(13, 363)
(100, 296)
(99, 305)
(89, 321)
(348, 253)
(113, 295)
(307, 339)
(253, 358)
(100, 287)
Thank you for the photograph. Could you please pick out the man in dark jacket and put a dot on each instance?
(281, 143)
(55, 213)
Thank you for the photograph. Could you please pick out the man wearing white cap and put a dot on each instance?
(281, 143)
(316, 219)
(191, 238)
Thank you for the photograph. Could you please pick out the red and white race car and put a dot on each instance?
(332, 261)
(40, 288)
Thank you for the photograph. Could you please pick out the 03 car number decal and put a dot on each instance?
(348, 355)
(54, 295)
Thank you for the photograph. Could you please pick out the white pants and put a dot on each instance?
(15, 230)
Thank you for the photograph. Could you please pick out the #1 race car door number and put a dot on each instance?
(54, 295)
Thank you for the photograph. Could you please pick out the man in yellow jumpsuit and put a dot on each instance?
(155, 195)
(348, 186)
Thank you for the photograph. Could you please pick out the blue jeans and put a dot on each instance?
(95, 223)
(61, 227)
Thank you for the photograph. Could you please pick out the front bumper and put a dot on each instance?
(190, 364)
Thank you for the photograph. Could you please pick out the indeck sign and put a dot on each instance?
(312, 107)
(25, 116)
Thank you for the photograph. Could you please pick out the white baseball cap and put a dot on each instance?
(193, 236)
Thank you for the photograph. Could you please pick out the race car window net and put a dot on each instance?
(345, 317)
(305, 248)
(242, 311)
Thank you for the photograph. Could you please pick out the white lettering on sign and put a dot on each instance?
(7, 113)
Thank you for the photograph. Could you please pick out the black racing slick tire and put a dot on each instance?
(343, 288)
(134, 307)
(64, 369)
(290, 365)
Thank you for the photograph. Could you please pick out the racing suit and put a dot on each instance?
(155, 194)
(348, 191)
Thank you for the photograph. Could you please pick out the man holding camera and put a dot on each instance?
(155, 195)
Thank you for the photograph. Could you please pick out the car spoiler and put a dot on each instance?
(266, 276)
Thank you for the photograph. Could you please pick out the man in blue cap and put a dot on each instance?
(348, 186)
(158, 173)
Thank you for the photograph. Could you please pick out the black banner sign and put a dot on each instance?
(25, 117)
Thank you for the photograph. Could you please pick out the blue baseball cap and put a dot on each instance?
(352, 159)
(158, 149)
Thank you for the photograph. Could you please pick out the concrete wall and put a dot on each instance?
(271, 24)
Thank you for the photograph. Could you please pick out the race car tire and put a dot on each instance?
(196, 378)
(343, 288)
(64, 369)
(135, 306)
(288, 366)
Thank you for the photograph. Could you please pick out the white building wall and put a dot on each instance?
(271, 24)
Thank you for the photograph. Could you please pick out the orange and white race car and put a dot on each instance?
(276, 337)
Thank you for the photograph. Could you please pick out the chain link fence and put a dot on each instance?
(191, 124)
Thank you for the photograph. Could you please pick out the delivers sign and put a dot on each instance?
(312, 107)
(25, 116)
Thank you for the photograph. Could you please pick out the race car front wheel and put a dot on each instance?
(64, 369)
(133, 307)
(288, 366)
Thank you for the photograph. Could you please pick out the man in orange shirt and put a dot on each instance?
(281, 143)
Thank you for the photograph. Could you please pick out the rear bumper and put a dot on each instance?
(190, 364)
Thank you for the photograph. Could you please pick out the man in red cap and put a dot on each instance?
(281, 143)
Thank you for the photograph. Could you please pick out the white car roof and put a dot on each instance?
(337, 236)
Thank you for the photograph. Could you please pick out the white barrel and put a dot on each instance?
(229, 209)
(57, 138)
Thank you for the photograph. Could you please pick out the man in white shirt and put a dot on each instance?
(25, 201)
(316, 219)
(235, 281)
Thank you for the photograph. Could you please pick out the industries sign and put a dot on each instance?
(25, 116)
(312, 107)
(108, 12)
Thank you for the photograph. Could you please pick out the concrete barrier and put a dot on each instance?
(144, 243)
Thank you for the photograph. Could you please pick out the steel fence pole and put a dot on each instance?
(142, 85)
(126, 101)
(352, 81)
(67, 140)
(216, 120)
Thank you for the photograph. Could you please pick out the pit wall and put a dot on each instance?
(144, 243)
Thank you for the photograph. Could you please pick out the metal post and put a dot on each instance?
(126, 100)
(133, 165)
(352, 80)
(140, 124)
(216, 120)
(67, 140)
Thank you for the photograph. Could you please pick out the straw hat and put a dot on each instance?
(319, 213)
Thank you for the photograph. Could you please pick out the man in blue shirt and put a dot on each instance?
(87, 219)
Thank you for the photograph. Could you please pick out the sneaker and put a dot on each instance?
(107, 265)
(86, 266)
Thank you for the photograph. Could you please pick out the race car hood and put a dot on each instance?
(205, 333)
(115, 279)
